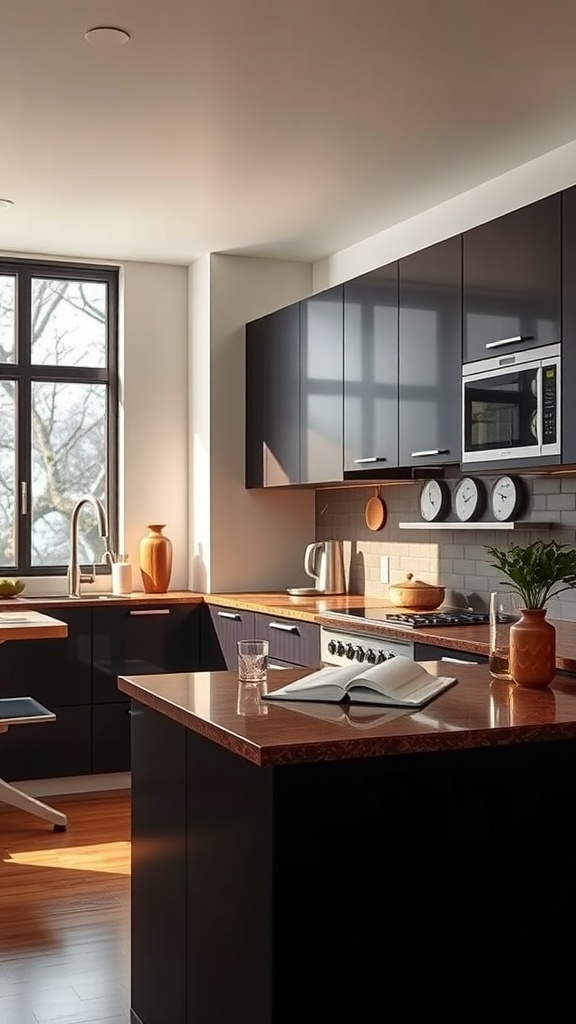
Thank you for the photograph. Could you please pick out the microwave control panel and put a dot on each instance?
(549, 410)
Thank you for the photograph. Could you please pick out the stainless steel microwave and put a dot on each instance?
(511, 406)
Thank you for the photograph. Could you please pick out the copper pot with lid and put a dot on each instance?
(415, 595)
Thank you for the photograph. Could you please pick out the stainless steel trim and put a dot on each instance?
(539, 409)
(151, 611)
(510, 341)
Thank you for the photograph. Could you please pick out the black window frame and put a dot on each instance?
(25, 373)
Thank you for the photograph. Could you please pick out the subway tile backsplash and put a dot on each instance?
(457, 559)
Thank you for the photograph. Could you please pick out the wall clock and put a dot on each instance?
(468, 499)
(434, 500)
(507, 498)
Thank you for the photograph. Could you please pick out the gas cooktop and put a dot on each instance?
(414, 620)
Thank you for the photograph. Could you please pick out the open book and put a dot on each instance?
(398, 682)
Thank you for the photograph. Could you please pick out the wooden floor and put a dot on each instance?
(64, 913)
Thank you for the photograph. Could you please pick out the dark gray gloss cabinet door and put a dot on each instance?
(273, 399)
(321, 371)
(142, 641)
(371, 371)
(222, 628)
(430, 355)
(512, 281)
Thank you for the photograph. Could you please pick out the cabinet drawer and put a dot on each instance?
(221, 634)
(290, 640)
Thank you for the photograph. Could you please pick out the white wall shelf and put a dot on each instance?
(520, 524)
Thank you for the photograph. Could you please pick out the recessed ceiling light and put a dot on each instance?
(107, 36)
(6, 202)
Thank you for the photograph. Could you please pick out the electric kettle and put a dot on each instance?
(324, 562)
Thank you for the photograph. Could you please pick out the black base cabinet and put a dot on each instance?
(291, 641)
(58, 673)
(76, 677)
(134, 641)
(447, 868)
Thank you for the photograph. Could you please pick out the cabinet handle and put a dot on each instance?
(283, 626)
(228, 615)
(373, 458)
(151, 611)
(510, 341)
(460, 661)
(433, 451)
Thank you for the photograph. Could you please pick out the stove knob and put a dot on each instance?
(388, 655)
(380, 657)
(340, 649)
(359, 653)
(350, 651)
(332, 647)
(371, 656)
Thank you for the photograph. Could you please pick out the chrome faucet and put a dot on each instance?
(75, 575)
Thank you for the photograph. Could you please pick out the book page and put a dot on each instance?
(399, 676)
(329, 683)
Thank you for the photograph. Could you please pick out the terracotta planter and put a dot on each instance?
(155, 560)
(532, 649)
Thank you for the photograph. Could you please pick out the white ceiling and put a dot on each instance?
(286, 128)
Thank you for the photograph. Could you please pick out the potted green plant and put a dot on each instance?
(536, 572)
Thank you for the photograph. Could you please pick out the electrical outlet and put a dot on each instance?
(384, 568)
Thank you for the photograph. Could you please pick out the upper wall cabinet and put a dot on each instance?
(568, 410)
(321, 369)
(273, 399)
(512, 281)
(294, 393)
(430, 355)
(371, 371)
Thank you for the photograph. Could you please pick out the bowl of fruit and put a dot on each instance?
(11, 588)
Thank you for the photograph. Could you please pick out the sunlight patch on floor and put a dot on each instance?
(110, 858)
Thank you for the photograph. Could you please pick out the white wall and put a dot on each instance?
(155, 408)
(249, 540)
(532, 181)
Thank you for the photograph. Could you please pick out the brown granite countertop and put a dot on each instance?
(472, 639)
(97, 599)
(477, 712)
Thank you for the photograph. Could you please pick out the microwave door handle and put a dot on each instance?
(539, 409)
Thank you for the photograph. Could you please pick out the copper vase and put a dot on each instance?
(532, 649)
(155, 560)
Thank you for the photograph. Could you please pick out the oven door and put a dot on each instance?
(511, 411)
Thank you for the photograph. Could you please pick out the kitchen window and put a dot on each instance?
(58, 410)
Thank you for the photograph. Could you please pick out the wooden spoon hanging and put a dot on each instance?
(375, 512)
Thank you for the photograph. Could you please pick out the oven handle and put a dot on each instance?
(510, 341)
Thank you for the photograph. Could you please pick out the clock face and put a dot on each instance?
(506, 498)
(434, 500)
(468, 499)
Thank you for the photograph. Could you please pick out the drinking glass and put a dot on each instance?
(252, 661)
(504, 611)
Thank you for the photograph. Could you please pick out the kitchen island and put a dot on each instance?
(289, 867)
